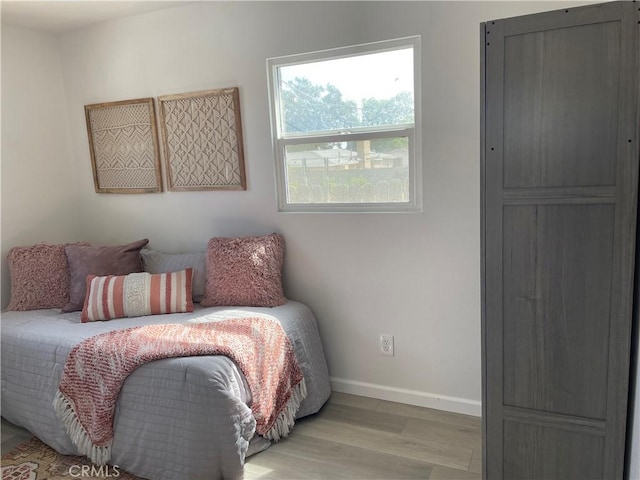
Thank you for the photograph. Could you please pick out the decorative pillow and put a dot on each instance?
(158, 262)
(83, 261)
(39, 276)
(137, 294)
(245, 271)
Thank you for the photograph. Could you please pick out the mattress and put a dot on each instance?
(178, 418)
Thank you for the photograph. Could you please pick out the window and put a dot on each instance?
(346, 128)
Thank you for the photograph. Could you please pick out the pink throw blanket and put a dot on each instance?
(98, 366)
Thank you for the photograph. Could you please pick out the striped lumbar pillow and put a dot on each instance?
(137, 294)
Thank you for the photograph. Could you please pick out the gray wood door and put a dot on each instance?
(560, 178)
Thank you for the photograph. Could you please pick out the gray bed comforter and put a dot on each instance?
(179, 418)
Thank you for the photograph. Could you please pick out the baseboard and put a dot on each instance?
(410, 397)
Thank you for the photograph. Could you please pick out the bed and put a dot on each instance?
(178, 418)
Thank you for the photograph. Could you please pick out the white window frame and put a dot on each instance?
(280, 139)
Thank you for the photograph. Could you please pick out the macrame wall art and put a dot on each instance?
(123, 142)
(202, 140)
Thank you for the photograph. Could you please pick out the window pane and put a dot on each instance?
(369, 171)
(346, 93)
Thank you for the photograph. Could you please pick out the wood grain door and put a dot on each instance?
(560, 180)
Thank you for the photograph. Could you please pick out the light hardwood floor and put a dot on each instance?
(361, 438)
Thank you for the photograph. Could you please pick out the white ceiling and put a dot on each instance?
(64, 16)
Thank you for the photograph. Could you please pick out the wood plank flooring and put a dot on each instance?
(361, 438)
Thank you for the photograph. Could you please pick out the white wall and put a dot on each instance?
(415, 276)
(38, 178)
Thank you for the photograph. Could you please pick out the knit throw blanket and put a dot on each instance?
(98, 366)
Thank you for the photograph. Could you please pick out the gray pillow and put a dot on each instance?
(159, 262)
(100, 261)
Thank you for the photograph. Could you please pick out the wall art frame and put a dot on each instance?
(124, 147)
(202, 140)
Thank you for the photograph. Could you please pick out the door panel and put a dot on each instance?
(559, 200)
(557, 298)
(552, 136)
(559, 453)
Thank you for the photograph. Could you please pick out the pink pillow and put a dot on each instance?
(137, 294)
(83, 261)
(39, 276)
(245, 271)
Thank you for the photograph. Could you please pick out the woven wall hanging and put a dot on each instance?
(123, 141)
(202, 140)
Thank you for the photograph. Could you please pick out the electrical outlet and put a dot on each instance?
(386, 345)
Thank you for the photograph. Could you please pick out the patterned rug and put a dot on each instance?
(33, 460)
